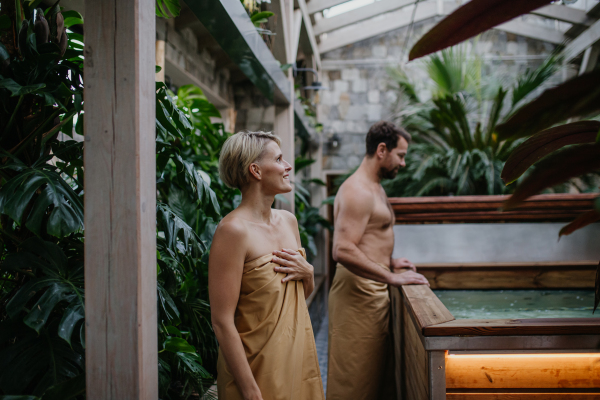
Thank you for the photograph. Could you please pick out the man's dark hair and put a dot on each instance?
(385, 132)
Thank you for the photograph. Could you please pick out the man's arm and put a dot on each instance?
(350, 223)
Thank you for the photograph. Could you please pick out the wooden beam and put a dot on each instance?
(314, 49)
(523, 28)
(368, 29)
(120, 201)
(548, 208)
(586, 39)
(515, 327)
(590, 59)
(510, 276)
(360, 14)
(564, 14)
(297, 27)
(282, 40)
(319, 5)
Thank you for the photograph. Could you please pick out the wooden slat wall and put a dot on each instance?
(415, 362)
(120, 201)
(397, 309)
(515, 327)
(463, 209)
(572, 275)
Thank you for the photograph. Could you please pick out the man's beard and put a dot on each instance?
(385, 173)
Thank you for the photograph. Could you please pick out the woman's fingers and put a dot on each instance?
(284, 255)
(283, 261)
(289, 251)
(284, 270)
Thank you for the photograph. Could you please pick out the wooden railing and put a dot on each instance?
(473, 209)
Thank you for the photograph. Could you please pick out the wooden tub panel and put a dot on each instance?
(523, 396)
(415, 363)
(531, 371)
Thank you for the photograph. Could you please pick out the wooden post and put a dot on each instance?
(284, 113)
(120, 200)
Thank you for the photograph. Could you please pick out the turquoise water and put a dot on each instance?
(493, 304)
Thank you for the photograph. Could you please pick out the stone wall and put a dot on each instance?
(360, 95)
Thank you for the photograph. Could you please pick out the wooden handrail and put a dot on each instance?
(474, 209)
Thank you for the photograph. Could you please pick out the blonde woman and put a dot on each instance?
(258, 280)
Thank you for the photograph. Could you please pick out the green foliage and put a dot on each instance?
(455, 149)
(42, 338)
(167, 8)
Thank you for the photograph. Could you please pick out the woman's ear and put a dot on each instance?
(255, 171)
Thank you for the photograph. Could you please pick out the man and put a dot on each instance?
(360, 349)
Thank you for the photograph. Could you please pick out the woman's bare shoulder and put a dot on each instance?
(288, 217)
(231, 227)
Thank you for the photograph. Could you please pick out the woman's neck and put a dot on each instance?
(256, 204)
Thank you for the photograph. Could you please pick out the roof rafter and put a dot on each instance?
(309, 31)
(425, 10)
(522, 28)
(375, 27)
(319, 5)
(564, 14)
(587, 38)
(360, 14)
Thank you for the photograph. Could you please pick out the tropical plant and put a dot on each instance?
(456, 149)
(557, 152)
(42, 293)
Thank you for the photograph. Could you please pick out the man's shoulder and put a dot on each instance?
(355, 190)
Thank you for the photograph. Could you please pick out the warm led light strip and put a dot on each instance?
(530, 355)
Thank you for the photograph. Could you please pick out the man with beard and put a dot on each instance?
(360, 349)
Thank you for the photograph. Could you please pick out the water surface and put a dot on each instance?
(499, 304)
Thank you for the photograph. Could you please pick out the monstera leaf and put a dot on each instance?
(66, 215)
(56, 280)
(174, 227)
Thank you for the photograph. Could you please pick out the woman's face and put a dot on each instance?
(274, 170)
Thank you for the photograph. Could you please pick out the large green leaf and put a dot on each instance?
(66, 390)
(168, 8)
(557, 168)
(300, 163)
(18, 90)
(471, 19)
(577, 97)
(38, 362)
(67, 212)
(543, 143)
(178, 345)
(58, 282)
(174, 228)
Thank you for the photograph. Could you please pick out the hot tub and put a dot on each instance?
(496, 344)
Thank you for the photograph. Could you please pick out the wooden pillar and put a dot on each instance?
(284, 128)
(160, 60)
(120, 200)
(284, 113)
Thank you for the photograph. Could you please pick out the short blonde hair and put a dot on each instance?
(238, 152)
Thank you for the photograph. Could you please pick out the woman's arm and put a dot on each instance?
(225, 269)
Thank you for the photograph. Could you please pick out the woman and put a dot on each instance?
(258, 280)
